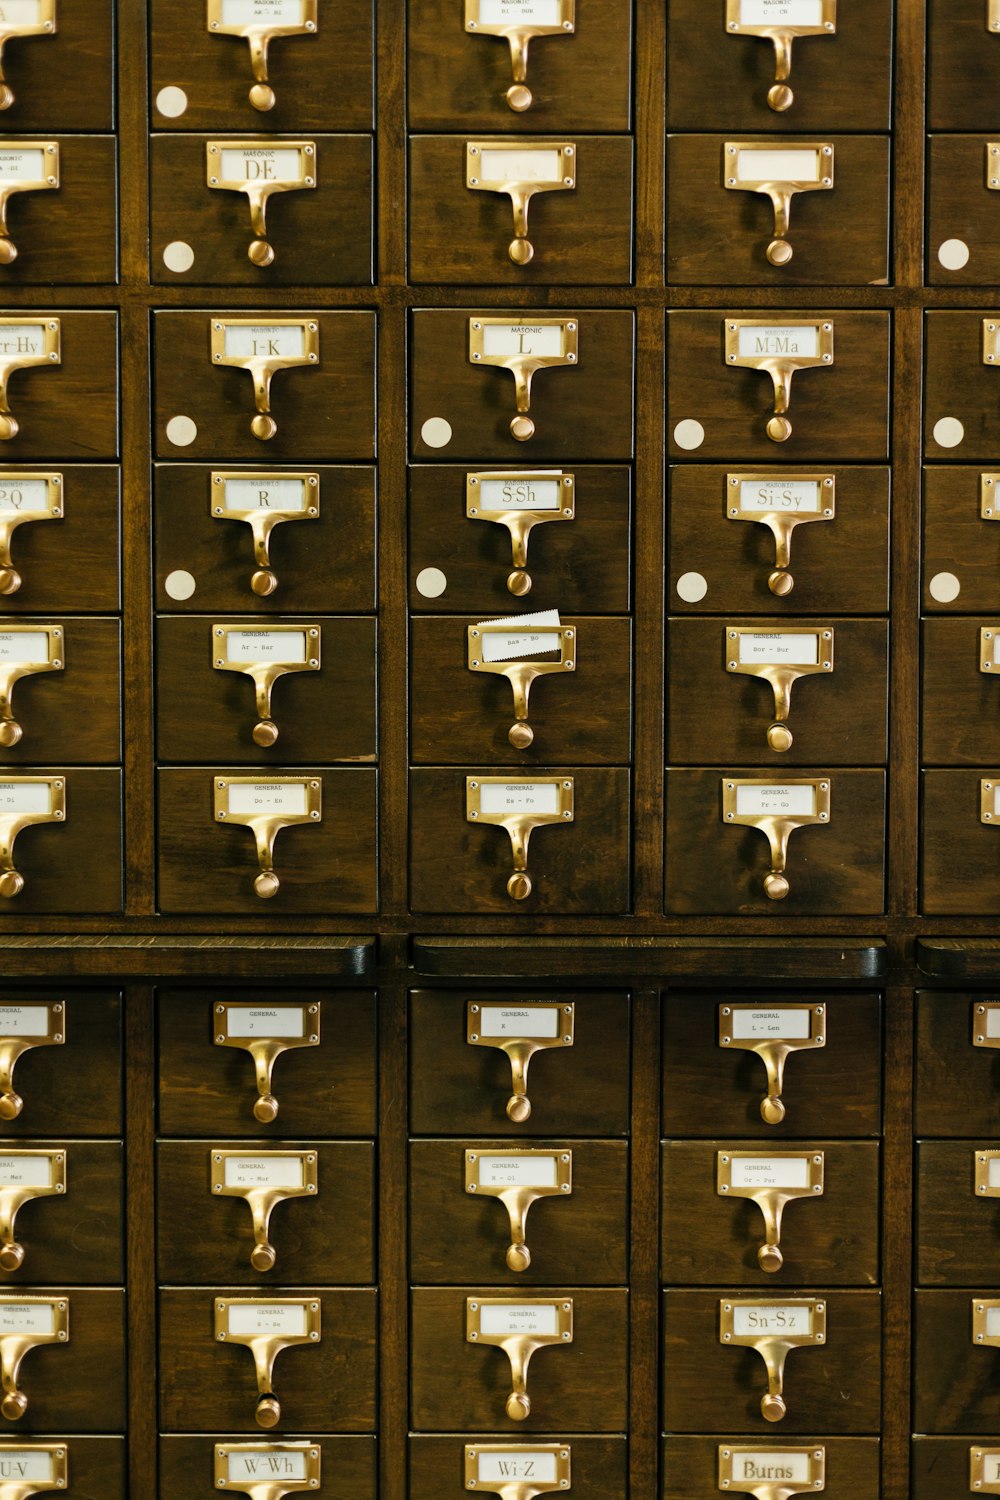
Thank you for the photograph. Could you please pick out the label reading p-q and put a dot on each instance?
(26, 495)
(787, 1022)
(759, 342)
(264, 1172)
(776, 801)
(781, 12)
(772, 1318)
(265, 645)
(25, 797)
(25, 163)
(24, 1020)
(513, 1318)
(793, 495)
(514, 493)
(265, 341)
(519, 13)
(24, 645)
(269, 12)
(516, 797)
(26, 1463)
(253, 1318)
(792, 1468)
(264, 494)
(538, 1021)
(25, 1171)
(517, 1171)
(770, 1171)
(521, 1463)
(21, 339)
(28, 1318)
(264, 799)
(512, 165)
(265, 1020)
(267, 1464)
(264, 164)
(795, 648)
(509, 339)
(777, 166)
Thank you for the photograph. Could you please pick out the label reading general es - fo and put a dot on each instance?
(520, 797)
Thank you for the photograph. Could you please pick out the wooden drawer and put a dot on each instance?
(327, 1089)
(582, 866)
(81, 210)
(206, 561)
(73, 564)
(836, 867)
(961, 546)
(319, 236)
(64, 81)
(838, 410)
(459, 81)
(95, 1465)
(324, 411)
(328, 1385)
(839, 564)
(831, 1387)
(582, 563)
(74, 711)
(77, 1385)
(579, 234)
(718, 233)
(581, 410)
(708, 1087)
(832, 1241)
(46, 1075)
(963, 212)
(722, 715)
(957, 1228)
(187, 1464)
(960, 855)
(691, 1466)
(324, 867)
(458, 713)
(962, 402)
(73, 865)
(957, 1090)
(581, 1089)
(213, 73)
(963, 67)
(65, 409)
(437, 1465)
(959, 701)
(937, 1463)
(840, 81)
(205, 712)
(77, 1235)
(581, 1386)
(328, 1235)
(459, 1235)
(954, 1381)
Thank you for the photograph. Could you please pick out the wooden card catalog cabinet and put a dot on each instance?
(518, 1178)
(264, 1179)
(520, 1030)
(523, 348)
(266, 1031)
(518, 1473)
(774, 1031)
(774, 1329)
(780, 22)
(268, 1471)
(520, 1329)
(267, 1328)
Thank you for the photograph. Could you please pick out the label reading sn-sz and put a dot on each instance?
(25, 797)
(517, 1171)
(264, 1020)
(772, 1318)
(776, 801)
(519, 797)
(516, 494)
(27, 495)
(23, 645)
(516, 1318)
(780, 340)
(789, 1023)
(266, 1317)
(25, 1171)
(794, 495)
(797, 649)
(770, 1171)
(517, 1464)
(523, 338)
(793, 1468)
(268, 1464)
(26, 1463)
(27, 1318)
(265, 798)
(264, 494)
(778, 12)
(24, 1020)
(500, 1020)
(265, 341)
(284, 646)
(264, 1172)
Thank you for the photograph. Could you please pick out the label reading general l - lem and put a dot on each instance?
(283, 646)
(27, 1464)
(781, 12)
(514, 1464)
(24, 495)
(264, 1172)
(799, 496)
(24, 1020)
(513, 1318)
(517, 1171)
(518, 797)
(25, 1171)
(264, 799)
(779, 340)
(264, 494)
(515, 494)
(776, 801)
(252, 1318)
(519, 13)
(265, 341)
(267, 1465)
(770, 1171)
(262, 164)
(787, 1022)
(263, 12)
(25, 797)
(795, 648)
(506, 339)
(772, 1318)
(23, 163)
(513, 165)
(30, 1318)
(266, 1020)
(776, 1466)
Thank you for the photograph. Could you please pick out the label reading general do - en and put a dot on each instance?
(518, 797)
(265, 341)
(778, 12)
(27, 1318)
(776, 801)
(264, 494)
(265, 645)
(26, 1463)
(265, 1020)
(262, 164)
(770, 1171)
(519, 12)
(797, 495)
(517, 1171)
(25, 1171)
(268, 1317)
(786, 1022)
(793, 1468)
(25, 797)
(517, 1464)
(23, 645)
(507, 339)
(772, 1318)
(264, 1172)
(268, 1464)
(264, 799)
(272, 12)
(538, 1021)
(514, 1318)
(26, 495)
(516, 494)
(795, 648)
(779, 340)
(24, 1020)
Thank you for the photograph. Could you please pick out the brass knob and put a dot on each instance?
(265, 733)
(780, 97)
(775, 886)
(265, 885)
(518, 1405)
(770, 1258)
(519, 583)
(263, 426)
(11, 1257)
(263, 582)
(262, 97)
(266, 1109)
(8, 426)
(779, 252)
(260, 253)
(518, 1108)
(772, 1110)
(11, 883)
(521, 428)
(10, 732)
(779, 737)
(11, 1106)
(8, 252)
(518, 1257)
(779, 429)
(780, 582)
(262, 1257)
(14, 1405)
(520, 735)
(268, 1412)
(519, 97)
(772, 1408)
(520, 251)
(518, 886)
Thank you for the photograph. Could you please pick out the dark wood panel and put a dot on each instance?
(957, 1232)
(960, 541)
(956, 1084)
(955, 1384)
(691, 1466)
(961, 205)
(97, 1466)
(962, 67)
(941, 1465)
(65, 81)
(959, 702)
(187, 1467)
(960, 861)
(960, 387)
(781, 960)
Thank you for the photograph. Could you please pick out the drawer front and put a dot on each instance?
(581, 1089)
(67, 407)
(962, 67)
(581, 1386)
(577, 234)
(831, 868)
(74, 711)
(327, 562)
(957, 1085)
(81, 210)
(963, 211)
(77, 1235)
(78, 1385)
(328, 1386)
(75, 865)
(830, 1089)
(962, 402)
(954, 1380)
(960, 857)
(691, 1466)
(577, 1235)
(187, 1464)
(838, 410)
(718, 233)
(458, 712)
(323, 411)
(832, 1241)
(831, 1387)
(716, 713)
(324, 1090)
(64, 81)
(943, 1462)
(961, 546)
(202, 82)
(87, 1043)
(580, 867)
(324, 867)
(599, 1465)
(204, 711)
(319, 235)
(958, 1226)
(71, 564)
(960, 702)
(838, 564)
(96, 1465)
(580, 411)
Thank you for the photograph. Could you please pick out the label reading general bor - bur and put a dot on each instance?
(283, 646)
(24, 495)
(770, 1171)
(758, 342)
(517, 1171)
(515, 494)
(264, 1172)
(261, 164)
(264, 494)
(24, 1020)
(27, 1318)
(518, 797)
(772, 1318)
(519, 12)
(793, 495)
(29, 1464)
(23, 645)
(265, 1020)
(25, 1171)
(781, 12)
(542, 1318)
(265, 799)
(517, 1464)
(267, 1464)
(793, 1468)
(501, 1020)
(25, 798)
(778, 646)
(790, 1024)
(261, 12)
(19, 339)
(777, 166)
(264, 1317)
(506, 339)
(776, 801)
(265, 341)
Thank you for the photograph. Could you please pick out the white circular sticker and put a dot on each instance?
(171, 102)
(436, 432)
(944, 587)
(431, 582)
(692, 587)
(182, 431)
(948, 432)
(689, 433)
(179, 584)
(953, 254)
(178, 256)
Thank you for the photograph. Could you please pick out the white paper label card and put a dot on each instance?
(264, 1171)
(25, 798)
(264, 164)
(994, 1172)
(266, 646)
(265, 1020)
(764, 165)
(779, 341)
(22, 163)
(506, 1319)
(26, 496)
(984, 1468)
(266, 493)
(514, 165)
(511, 1464)
(264, 799)
(263, 13)
(514, 1170)
(515, 644)
(772, 1319)
(520, 12)
(770, 1171)
(32, 1169)
(511, 339)
(266, 341)
(792, 647)
(24, 646)
(249, 1319)
(30, 1465)
(527, 1021)
(784, 1022)
(781, 12)
(537, 797)
(515, 493)
(24, 13)
(796, 496)
(18, 340)
(28, 1318)
(267, 1465)
(25, 1020)
(776, 801)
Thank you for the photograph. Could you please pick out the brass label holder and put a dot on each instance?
(290, 800)
(768, 1031)
(267, 1471)
(263, 349)
(986, 1323)
(993, 15)
(519, 510)
(518, 33)
(518, 1178)
(745, 163)
(520, 808)
(43, 23)
(26, 1323)
(986, 1024)
(34, 1024)
(520, 169)
(754, 1175)
(777, 811)
(986, 1170)
(781, 676)
(25, 167)
(774, 1329)
(24, 497)
(780, 349)
(523, 347)
(517, 1473)
(989, 510)
(264, 1179)
(785, 502)
(989, 649)
(268, 166)
(991, 341)
(261, 515)
(24, 343)
(984, 1463)
(821, 21)
(264, 673)
(260, 35)
(25, 801)
(35, 1469)
(989, 804)
(265, 1031)
(14, 666)
(529, 633)
(519, 1031)
(769, 1474)
(266, 1326)
(43, 1175)
(519, 1326)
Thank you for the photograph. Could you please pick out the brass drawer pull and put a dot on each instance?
(26, 1323)
(519, 807)
(485, 18)
(266, 807)
(260, 35)
(265, 1031)
(780, 347)
(774, 1328)
(266, 1327)
(520, 1029)
(747, 18)
(772, 1182)
(523, 347)
(777, 809)
(518, 1179)
(520, 1327)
